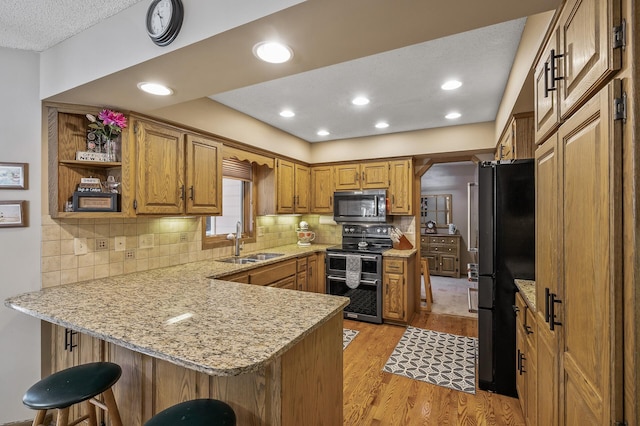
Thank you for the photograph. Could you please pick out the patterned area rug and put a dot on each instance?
(348, 336)
(439, 358)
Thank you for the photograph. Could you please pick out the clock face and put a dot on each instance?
(164, 20)
(160, 17)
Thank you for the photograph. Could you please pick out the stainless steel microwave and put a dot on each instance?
(369, 206)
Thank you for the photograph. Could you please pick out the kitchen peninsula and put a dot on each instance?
(274, 355)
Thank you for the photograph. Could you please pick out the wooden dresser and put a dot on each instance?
(443, 253)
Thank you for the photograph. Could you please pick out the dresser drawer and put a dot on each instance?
(440, 248)
(443, 240)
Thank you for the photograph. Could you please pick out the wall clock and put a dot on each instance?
(430, 227)
(164, 20)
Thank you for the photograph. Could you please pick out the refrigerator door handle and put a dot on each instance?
(546, 304)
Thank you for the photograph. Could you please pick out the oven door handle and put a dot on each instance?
(333, 277)
(344, 255)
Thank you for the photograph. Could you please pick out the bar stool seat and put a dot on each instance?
(197, 412)
(74, 385)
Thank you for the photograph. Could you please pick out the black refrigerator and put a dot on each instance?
(506, 250)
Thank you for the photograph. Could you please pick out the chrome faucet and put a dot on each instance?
(236, 238)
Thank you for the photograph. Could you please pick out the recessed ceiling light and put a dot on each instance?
(155, 89)
(453, 115)
(323, 133)
(272, 52)
(451, 85)
(287, 113)
(360, 100)
(382, 125)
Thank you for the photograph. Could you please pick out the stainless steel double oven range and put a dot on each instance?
(365, 244)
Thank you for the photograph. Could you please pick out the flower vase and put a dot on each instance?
(110, 148)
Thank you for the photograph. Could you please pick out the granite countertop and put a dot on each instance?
(528, 291)
(226, 328)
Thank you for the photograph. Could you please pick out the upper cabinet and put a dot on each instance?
(583, 50)
(176, 172)
(67, 136)
(372, 175)
(322, 188)
(292, 187)
(401, 187)
(517, 139)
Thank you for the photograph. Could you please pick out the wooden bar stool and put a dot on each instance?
(428, 300)
(72, 386)
(197, 412)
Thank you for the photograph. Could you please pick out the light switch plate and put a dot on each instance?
(120, 243)
(79, 246)
(145, 241)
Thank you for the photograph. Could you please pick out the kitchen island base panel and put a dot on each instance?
(303, 386)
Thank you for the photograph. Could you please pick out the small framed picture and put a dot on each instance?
(13, 213)
(14, 175)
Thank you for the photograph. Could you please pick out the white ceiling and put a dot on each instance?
(402, 82)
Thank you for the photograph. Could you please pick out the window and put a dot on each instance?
(436, 208)
(237, 201)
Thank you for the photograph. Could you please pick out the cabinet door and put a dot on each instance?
(302, 198)
(160, 187)
(547, 359)
(449, 265)
(320, 273)
(520, 368)
(322, 189)
(401, 187)
(505, 146)
(285, 182)
(204, 176)
(289, 283)
(586, 42)
(347, 177)
(393, 306)
(591, 370)
(545, 93)
(70, 348)
(313, 283)
(374, 175)
(434, 262)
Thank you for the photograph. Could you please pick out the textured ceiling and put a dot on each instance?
(39, 24)
(403, 86)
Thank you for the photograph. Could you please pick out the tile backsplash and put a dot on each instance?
(175, 241)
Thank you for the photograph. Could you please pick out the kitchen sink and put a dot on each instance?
(251, 258)
(263, 256)
(237, 260)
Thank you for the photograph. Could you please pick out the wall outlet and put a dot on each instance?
(79, 246)
(120, 243)
(183, 237)
(145, 241)
(130, 254)
(102, 244)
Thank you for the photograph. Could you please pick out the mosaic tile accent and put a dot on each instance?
(441, 359)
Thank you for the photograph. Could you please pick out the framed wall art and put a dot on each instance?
(14, 175)
(13, 214)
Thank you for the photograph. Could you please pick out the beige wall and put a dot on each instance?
(518, 95)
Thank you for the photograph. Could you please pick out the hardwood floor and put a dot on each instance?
(373, 397)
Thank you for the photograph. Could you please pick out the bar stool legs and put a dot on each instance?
(76, 385)
(427, 286)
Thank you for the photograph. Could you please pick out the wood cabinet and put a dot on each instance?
(176, 173)
(292, 187)
(315, 276)
(443, 254)
(322, 189)
(372, 175)
(526, 366)
(517, 140)
(70, 348)
(274, 272)
(398, 291)
(67, 134)
(302, 275)
(578, 58)
(580, 332)
(401, 187)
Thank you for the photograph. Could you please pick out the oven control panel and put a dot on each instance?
(349, 230)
